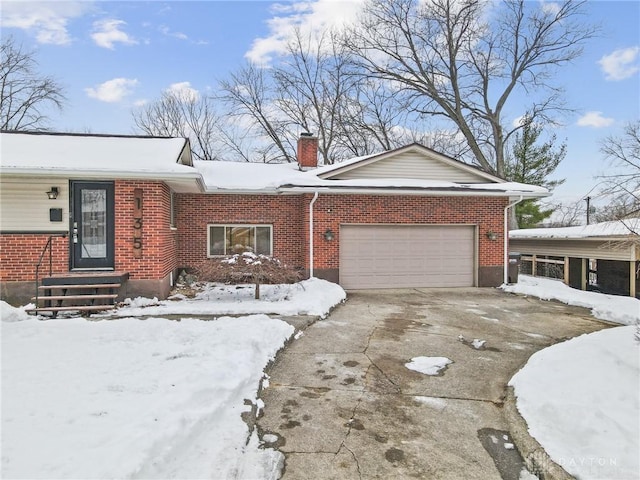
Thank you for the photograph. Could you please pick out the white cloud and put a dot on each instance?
(183, 90)
(519, 121)
(620, 64)
(46, 20)
(112, 91)
(309, 16)
(107, 32)
(551, 8)
(595, 120)
(140, 103)
(167, 32)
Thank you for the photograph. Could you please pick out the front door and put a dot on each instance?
(92, 226)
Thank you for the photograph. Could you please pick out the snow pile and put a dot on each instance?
(614, 308)
(580, 400)
(310, 297)
(134, 398)
(428, 365)
(12, 314)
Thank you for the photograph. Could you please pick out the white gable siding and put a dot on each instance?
(411, 165)
(24, 206)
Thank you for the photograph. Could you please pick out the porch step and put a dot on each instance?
(80, 286)
(76, 297)
(85, 292)
(81, 308)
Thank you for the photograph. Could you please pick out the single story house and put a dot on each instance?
(603, 256)
(83, 205)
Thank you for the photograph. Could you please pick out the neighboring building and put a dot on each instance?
(140, 207)
(603, 257)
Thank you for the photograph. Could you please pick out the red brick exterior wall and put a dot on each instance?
(332, 210)
(165, 249)
(289, 216)
(20, 252)
(159, 247)
(283, 212)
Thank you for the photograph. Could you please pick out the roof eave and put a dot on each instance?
(242, 191)
(599, 238)
(414, 191)
(112, 174)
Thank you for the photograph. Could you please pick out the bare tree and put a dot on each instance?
(622, 182)
(623, 153)
(250, 95)
(314, 88)
(372, 119)
(565, 215)
(462, 61)
(314, 82)
(182, 113)
(25, 95)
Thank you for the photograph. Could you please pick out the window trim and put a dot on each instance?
(234, 225)
(172, 210)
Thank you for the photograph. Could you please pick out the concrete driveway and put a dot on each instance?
(343, 405)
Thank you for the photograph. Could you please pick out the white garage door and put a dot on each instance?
(399, 256)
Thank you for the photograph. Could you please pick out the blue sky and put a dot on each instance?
(112, 56)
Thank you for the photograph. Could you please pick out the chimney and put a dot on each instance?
(307, 151)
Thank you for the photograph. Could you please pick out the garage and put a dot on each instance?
(403, 256)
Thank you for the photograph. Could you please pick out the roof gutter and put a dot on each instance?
(412, 191)
(89, 174)
(505, 278)
(313, 200)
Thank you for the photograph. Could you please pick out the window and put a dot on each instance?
(172, 209)
(230, 239)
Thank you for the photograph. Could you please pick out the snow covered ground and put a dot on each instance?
(153, 398)
(309, 297)
(580, 398)
(614, 308)
(156, 398)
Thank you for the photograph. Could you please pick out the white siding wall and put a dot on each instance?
(24, 206)
(412, 165)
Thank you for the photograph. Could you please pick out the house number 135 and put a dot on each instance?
(137, 223)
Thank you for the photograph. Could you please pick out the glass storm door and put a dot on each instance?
(92, 225)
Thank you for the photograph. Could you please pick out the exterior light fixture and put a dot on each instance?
(491, 235)
(328, 235)
(53, 193)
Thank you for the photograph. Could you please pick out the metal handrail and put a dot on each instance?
(44, 250)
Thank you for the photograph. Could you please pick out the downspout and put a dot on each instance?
(505, 279)
(313, 200)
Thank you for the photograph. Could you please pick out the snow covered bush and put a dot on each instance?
(247, 267)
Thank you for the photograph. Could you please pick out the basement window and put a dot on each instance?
(231, 239)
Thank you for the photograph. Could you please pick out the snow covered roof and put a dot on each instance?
(60, 154)
(169, 160)
(236, 177)
(597, 230)
(244, 176)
